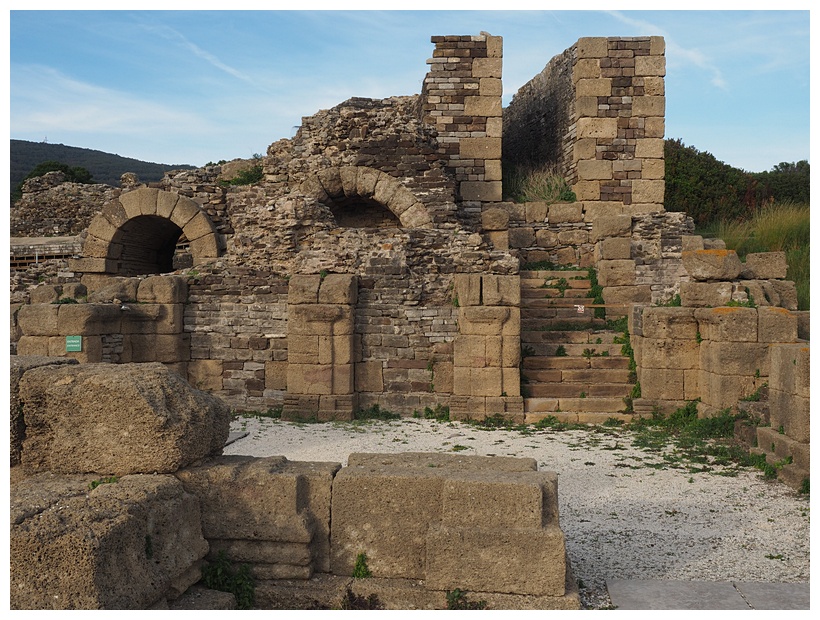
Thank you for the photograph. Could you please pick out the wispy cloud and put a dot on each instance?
(45, 100)
(691, 55)
(173, 35)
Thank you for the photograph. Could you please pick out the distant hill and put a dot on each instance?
(104, 167)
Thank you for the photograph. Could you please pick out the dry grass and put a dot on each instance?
(543, 184)
(780, 227)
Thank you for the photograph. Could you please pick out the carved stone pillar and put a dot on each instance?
(487, 350)
(321, 347)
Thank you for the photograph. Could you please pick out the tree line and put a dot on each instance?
(707, 189)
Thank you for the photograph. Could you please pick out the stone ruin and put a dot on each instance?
(120, 495)
(378, 262)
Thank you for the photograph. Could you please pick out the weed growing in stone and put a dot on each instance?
(221, 575)
(109, 480)
(354, 601)
(439, 413)
(457, 599)
(374, 412)
(360, 569)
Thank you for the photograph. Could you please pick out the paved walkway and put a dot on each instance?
(662, 594)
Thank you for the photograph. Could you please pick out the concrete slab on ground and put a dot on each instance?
(663, 594)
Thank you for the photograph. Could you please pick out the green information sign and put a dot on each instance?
(73, 344)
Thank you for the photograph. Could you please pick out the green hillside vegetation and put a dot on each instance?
(708, 189)
(105, 168)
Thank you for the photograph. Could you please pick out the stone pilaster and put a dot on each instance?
(487, 350)
(320, 374)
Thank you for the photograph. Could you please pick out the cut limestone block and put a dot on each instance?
(117, 419)
(124, 544)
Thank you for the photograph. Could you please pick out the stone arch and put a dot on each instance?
(137, 233)
(368, 184)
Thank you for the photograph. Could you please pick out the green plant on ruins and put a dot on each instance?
(221, 575)
(457, 599)
(249, 176)
(374, 412)
(596, 292)
(360, 569)
(535, 184)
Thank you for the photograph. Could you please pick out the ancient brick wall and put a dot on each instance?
(539, 123)
(611, 119)
(461, 99)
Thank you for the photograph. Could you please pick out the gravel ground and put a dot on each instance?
(623, 514)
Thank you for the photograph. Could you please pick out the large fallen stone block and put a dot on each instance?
(468, 518)
(18, 365)
(117, 419)
(712, 264)
(122, 545)
(266, 499)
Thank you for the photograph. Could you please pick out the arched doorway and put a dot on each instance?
(138, 234)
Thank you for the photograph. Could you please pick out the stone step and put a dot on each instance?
(575, 390)
(568, 337)
(535, 283)
(572, 350)
(596, 405)
(574, 417)
(552, 313)
(552, 273)
(585, 322)
(574, 362)
(551, 302)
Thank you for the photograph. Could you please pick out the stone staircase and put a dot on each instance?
(570, 366)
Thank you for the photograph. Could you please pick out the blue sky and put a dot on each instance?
(197, 86)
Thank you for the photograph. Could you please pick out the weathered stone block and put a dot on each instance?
(776, 325)
(765, 266)
(265, 499)
(648, 191)
(605, 128)
(565, 212)
(487, 67)
(162, 290)
(537, 560)
(611, 226)
(536, 211)
(626, 295)
(594, 169)
(320, 319)
(662, 384)
(495, 218)
(787, 291)
(650, 66)
(468, 289)
(586, 68)
(735, 358)
(500, 290)
(616, 272)
(122, 545)
(38, 319)
(592, 47)
(648, 147)
(199, 226)
(480, 148)
(484, 191)
(721, 391)
(160, 422)
(205, 374)
(142, 201)
(521, 237)
(370, 505)
(648, 106)
(600, 87)
(666, 323)
(731, 324)
(614, 248)
(705, 294)
(368, 377)
(490, 320)
(712, 264)
(44, 294)
(789, 372)
(304, 289)
(338, 288)
(119, 288)
(671, 353)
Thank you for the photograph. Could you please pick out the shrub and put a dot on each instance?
(530, 184)
(221, 575)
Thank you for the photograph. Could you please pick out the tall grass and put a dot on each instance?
(529, 184)
(780, 227)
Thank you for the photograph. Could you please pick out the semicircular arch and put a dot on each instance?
(137, 234)
(349, 182)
